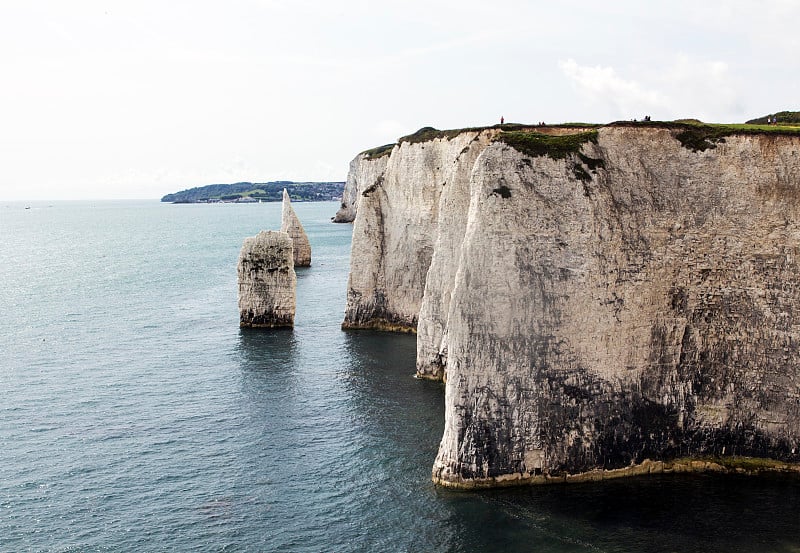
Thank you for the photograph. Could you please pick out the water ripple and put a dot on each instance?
(137, 416)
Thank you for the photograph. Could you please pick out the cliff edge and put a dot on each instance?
(596, 299)
(365, 170)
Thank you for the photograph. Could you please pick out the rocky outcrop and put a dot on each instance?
(291, 225)
(365, 170)
(267, 281)
(617, 297)
(395, 232)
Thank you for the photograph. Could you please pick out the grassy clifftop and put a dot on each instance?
(558, 141)
(781, 118)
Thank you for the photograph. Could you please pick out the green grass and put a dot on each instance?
(575, 124)
(426, 134)
(783, 117)
(750, 464)
(692, 134)
(730, 128)
(537, 144)
(380, 151)
(698, 137)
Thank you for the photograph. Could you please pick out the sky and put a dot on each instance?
(139, 98)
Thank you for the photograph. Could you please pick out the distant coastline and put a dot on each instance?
(254, 192)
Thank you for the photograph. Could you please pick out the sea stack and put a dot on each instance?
(267, 281)
(291, 225)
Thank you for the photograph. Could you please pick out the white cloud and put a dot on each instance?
(391, 129)
(702, 89)
(623, 98)
(686, 88)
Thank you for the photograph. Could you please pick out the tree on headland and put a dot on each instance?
(267, 192)
(781, 117)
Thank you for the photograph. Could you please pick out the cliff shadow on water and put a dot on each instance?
(393, 404)
(697, 512)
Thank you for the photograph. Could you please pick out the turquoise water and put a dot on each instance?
(137, 416)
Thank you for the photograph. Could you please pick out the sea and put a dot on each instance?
(135, 414)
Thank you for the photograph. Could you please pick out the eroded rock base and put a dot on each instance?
(750, 466)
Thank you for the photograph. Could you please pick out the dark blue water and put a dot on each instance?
(135, 415)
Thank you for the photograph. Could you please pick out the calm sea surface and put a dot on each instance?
(135, 415)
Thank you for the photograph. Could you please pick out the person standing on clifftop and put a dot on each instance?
(502, 120)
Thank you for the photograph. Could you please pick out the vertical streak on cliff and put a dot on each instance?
(451, 226)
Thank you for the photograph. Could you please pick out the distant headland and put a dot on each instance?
(252, 192)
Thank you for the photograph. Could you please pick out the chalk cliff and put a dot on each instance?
(597, 301)
(365, 170)
(394, 232)
(267, 281)
(291, 225)
(449, 230)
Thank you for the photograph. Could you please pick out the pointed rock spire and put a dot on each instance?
(291, 225)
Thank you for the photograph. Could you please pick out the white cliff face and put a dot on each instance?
(451, 225)
(649, 309)
(267, 281)
(291, 225)
(365, 170)
(636, 298)
(395, 231)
